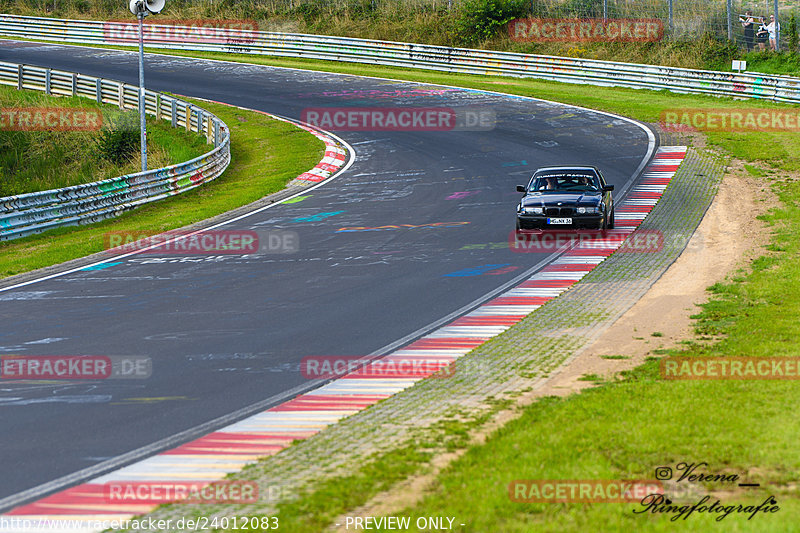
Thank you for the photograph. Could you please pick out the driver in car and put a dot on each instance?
(548, 184)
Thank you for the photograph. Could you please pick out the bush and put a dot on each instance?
(791, 34)
(716, 52)
(309, 12)
(361, 9)
(480, 20)
(118, 141)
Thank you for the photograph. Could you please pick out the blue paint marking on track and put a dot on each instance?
(477, 271)
(317, 217)
(101, 266)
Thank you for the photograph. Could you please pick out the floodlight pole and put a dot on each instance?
(142, 124)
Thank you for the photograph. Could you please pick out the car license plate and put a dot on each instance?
(559, 221)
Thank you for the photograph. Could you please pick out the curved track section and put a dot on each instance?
(383, 250)
(199, 465)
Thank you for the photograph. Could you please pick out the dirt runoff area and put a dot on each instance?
(727, 239)
(724, 242)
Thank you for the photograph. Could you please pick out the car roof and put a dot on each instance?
(572, 167)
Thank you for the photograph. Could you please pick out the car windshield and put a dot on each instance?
(564, 181)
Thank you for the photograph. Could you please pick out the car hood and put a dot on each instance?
(537, 199)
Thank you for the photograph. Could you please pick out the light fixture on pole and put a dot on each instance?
(142, 8)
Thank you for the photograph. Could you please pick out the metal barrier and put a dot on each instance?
(30, 213)
(462, 60)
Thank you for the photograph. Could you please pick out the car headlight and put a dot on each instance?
(588, 210)
(532, 210)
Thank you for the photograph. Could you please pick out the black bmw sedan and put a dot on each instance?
(566, 198)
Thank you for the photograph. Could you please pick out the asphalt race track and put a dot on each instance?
(225, 332)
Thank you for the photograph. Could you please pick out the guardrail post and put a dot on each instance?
(671, 24)
(174, 114)
(216, 133)
(158, 106)
(20, 77)
(98, 89)
(729, 16)
(121, 96)
(188, 114)
(47, 82)
(777, 27)
(74, 84)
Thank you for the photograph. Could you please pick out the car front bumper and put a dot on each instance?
(578, 222)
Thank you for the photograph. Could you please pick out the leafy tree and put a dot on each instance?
(482, 19)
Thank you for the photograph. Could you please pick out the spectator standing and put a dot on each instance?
(773, 28)
(762, 35)
(748, 23)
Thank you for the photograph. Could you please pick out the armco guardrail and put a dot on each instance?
(30, 213)
(778, 88)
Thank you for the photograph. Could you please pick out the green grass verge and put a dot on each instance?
(327, 499)
(314, 513)
(265, 155)
(33, 161)
(624, 431)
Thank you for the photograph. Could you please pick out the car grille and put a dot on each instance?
(559, 211)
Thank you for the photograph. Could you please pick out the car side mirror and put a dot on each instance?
(608, 188)
(521, 188)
